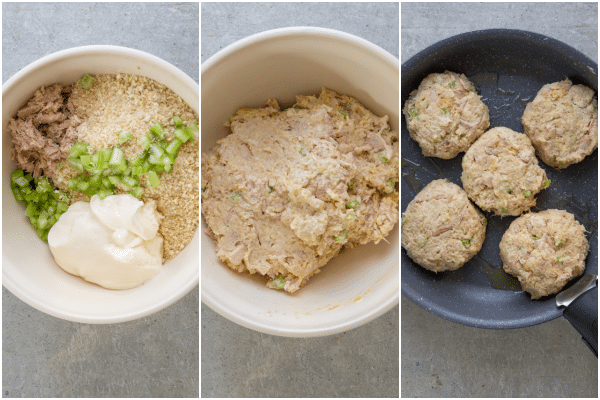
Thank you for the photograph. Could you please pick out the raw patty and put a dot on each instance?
(562, 123)
(544, 250)
(501, 173)
(445, 115)
(287, 190)
(441, 228)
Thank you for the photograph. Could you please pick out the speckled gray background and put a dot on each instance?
(445, 359)
(156, 356)
(238, 362)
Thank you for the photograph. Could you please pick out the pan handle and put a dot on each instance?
(582, 313)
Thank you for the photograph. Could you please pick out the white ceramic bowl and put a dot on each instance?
(359, 285)
(28, 269)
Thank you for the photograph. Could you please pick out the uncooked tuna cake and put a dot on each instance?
(288, 189)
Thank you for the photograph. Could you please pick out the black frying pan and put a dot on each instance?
(509, 67)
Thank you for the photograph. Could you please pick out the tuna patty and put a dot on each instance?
(501, 173)
(545, 250)
(441, 228)
(288, 189)
(562, 123)
(445, 115)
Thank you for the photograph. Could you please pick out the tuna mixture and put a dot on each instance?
(109, 118)
(501, 173)
(445, 115)
(562, 123)
(288, 189)
(441, 228)
(545, 250)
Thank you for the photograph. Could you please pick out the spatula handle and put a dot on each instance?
(582, 313)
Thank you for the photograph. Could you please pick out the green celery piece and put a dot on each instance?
(125, 136)
(117, 158)
(129, 181)
(157, 130)
(145, 141)
(177, 121)
(137, 192)
(156, 151)
(193, 131)
(279, 282)
(173, 146)
(182, 135)
(139, 159)
(153, 178)
(77, 149)
(21, 181)
(77, 165)
(353, 204)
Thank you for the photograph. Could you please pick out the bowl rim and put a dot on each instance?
(389, 301)
(13, 286)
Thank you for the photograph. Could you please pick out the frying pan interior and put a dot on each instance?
(508, 67)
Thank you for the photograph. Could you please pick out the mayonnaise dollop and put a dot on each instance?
(112, 242)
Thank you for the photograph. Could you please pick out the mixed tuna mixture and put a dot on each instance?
(288, 189)
(562, 123)
(502, 174)
(445, 115)
(123, 142)
(441, 228)
(545, 250)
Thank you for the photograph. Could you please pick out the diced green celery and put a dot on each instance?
(173, 146)
(137, 192)
(382, 158)
(77, 165)
(17, 174)
(177, 121)
(193, 131)
(104, 193)
(153, 178)
(114, 179)
(42, 221)
(156, 151)
(117, 158)
(78, 149)
(125, 136)
(62, 207)
(168, 168)
(167, 160)
(21, 181)
(129, 181)
(103, 157)
(73, 182)
(154, 160)
(87, 81)
(138, 160)
(31, 210)
(278, 283)
(85, 160)
(157, 130)
(353, 204)
(138, 170)
(159, 169)
(145, 141)
(182, 135)
(83, 186)
(95, 180)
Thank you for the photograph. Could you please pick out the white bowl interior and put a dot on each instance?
(361, 283)
(28, 268)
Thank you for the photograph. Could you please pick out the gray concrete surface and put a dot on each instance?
(238, 362)
(443, 359)
(156, 356)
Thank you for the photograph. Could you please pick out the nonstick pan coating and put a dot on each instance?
(508, 67)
